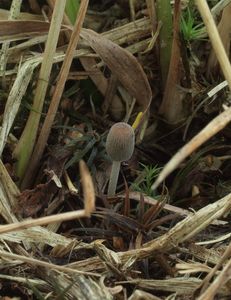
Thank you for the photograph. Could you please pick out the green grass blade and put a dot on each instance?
(72, 8)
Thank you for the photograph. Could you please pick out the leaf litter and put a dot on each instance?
(171, 243)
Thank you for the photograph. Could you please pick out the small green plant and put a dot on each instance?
(190, 30)
(145, 180)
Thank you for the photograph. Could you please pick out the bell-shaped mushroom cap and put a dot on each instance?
(120, 141)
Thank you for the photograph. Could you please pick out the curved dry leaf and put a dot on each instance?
(123, 64)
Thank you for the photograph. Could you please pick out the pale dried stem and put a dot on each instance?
(215, 39)
(67, 216)
(224, 29)
(14, 12)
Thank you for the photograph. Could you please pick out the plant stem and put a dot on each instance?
(164, 15)
(172, 104)
(113, 178)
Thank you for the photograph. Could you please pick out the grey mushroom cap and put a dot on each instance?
(120, 142)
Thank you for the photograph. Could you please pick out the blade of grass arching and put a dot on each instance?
(25, 146)
(14, 12)
(164, 15)
(43, 137)
(8, 195)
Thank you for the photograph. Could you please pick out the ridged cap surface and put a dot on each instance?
(120, 141)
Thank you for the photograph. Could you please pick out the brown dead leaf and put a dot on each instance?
(32, 201)
(22, 29)
(123, 64)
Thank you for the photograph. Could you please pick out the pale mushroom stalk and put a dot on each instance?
(115, 169)
(120, 146)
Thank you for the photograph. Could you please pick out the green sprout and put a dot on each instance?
(145, 180)
(190, 30)
(72, 8)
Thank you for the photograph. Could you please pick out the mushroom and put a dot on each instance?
(119, 146)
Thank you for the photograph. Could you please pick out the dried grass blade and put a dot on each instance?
(43, 137)
(218, 283)
(182, 287)
(18, 90)
(67, 216)
(14, 12)
(12, 30)
(224, 29)
(8, 198)
(37, 262)
(209, 293)
(26, 143)
(38, 235)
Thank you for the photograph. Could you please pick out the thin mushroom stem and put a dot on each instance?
(113, 178)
